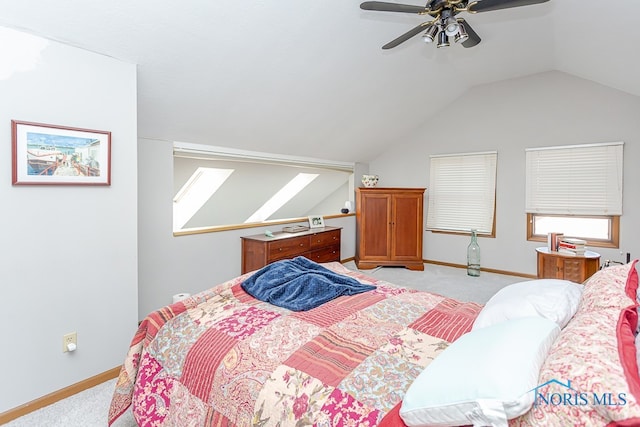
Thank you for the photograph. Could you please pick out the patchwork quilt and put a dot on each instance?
(224, 358)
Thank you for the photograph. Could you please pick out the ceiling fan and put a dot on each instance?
(444, 23)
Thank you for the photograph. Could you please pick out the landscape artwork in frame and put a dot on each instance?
(59, 155)
(316, 221)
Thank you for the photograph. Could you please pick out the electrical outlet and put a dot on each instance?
(71, 338)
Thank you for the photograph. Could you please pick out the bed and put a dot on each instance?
(389, 356)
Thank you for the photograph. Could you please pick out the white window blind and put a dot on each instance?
(575, 180)
(462, 192)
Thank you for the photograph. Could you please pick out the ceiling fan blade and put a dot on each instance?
(382, 6)
(406, 36)
(473, 39)
(489, 5)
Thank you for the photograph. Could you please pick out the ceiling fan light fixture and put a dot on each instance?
(461, 35)
(451, 26)
(443, 39)
(430, 35)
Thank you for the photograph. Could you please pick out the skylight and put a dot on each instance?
(195, 192)
(313, 186)
(283, 195)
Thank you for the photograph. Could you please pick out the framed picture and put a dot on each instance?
(59, 155)
(316, 221)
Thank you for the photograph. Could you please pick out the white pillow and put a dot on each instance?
(554, 299)
(484, 378)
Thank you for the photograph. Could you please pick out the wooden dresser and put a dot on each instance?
(316, 244)
(556, 265)
(389, 227)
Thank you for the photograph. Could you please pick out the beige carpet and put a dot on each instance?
(448, 281)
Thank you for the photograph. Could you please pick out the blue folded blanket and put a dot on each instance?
(300, 284)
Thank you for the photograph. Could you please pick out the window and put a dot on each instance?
(217, 188)
(462, 192)
(200, 186)
(575, 190)
(598, 231)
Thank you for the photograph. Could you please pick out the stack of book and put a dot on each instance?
(571, 246)
(295, 228)
(553, 239)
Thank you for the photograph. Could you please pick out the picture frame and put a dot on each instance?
(44, 154)
(316, 221)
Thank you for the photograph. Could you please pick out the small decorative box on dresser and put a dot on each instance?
(557, 265)
(318, 244)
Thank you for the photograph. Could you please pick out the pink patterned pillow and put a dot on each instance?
(632, 280)
(590, 376)
(611, 287)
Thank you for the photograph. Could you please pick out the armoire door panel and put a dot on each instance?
(407, 227)
(375, 236)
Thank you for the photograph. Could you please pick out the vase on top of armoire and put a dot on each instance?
(473, 255)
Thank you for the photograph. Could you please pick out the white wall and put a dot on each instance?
(540, 110)
(544, 109)
(169, 265)
(68, 253)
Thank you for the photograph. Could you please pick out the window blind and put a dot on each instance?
(462, 192)
(575, 179)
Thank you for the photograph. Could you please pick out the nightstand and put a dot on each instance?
(557, 265)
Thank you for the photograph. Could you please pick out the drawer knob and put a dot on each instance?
(280, 249)
(301, 244)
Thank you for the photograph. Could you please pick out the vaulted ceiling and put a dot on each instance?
(309, 77)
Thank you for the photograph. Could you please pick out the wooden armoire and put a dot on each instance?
(389, 227)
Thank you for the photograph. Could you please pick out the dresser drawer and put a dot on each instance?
(319, 245)
(324, 239)
(286, 248)
(327, 254)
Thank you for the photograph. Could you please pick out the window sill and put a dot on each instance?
(216, 229)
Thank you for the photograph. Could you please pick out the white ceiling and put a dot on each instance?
(309, 77)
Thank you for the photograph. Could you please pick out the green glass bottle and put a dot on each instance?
(473, 255)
